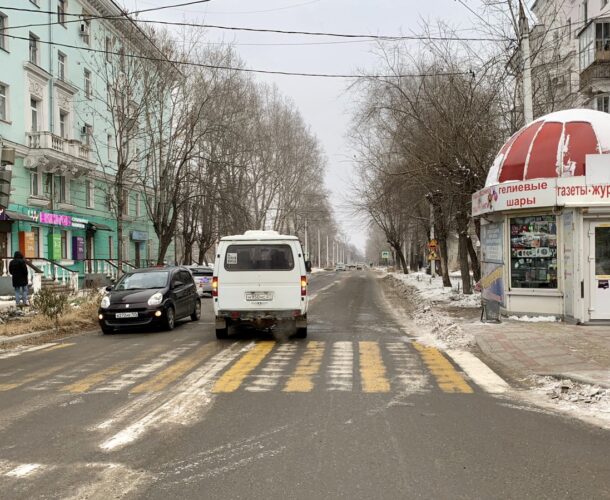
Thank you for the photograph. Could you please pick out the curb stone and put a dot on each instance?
(24, 336)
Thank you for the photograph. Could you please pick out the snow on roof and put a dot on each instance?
(259, 235)
(554, 145)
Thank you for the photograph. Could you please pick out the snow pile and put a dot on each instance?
(432, 289)
(436, 328)
(583, 400)
(535, 319)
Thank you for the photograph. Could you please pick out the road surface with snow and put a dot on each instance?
(358, 410)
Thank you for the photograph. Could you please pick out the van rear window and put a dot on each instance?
(259, 258)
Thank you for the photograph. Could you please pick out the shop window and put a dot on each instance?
(533, 246)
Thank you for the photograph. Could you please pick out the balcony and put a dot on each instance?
(56, 154)
(597, 71)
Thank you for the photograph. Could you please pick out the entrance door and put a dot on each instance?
(138, 246)
(3, 251)
(90, 252)
(599, 269)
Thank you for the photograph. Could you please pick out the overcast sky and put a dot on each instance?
(324, 103)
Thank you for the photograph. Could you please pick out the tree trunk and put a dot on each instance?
(464, 267)
(164, 243)
(442, 244)
(401, 257)
(474, 261)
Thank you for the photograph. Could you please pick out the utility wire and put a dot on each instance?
(127, 17)
(244, 70)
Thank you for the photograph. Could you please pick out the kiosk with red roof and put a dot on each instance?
(545, 219)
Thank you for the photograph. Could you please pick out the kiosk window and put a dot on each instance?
(533, 252)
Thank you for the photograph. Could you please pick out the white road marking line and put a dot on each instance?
(479, 372)
(17, 352)
(271, 373)
(341, 367)
(410, 373)
(23, 470)
(184, 407)
(133, 376)
(323, 289)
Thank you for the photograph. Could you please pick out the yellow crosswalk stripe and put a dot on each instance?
(308, 366)
(372, 368)
(176, 370)
(100, 376)
(447, 378)
(33, 377)
(232, 378)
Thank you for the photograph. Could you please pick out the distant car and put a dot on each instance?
(150, 296)
(340, 267)
(359, 267)
(203, 279)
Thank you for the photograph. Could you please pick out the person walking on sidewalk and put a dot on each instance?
(19, 271)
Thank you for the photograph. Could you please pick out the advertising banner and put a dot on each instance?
(78, 248)
(492, 282)
(492, 265)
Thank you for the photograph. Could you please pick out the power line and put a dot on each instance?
(243, 70)
(127, 17)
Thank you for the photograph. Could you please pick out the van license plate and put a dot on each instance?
(258, 296)
(127, 315)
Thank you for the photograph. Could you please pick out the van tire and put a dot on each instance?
(222, 333)
(301, 333)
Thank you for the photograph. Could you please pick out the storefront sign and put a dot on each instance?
(55, 219)
(79, 223)
(492, 265)
(574, 192)
(78, 247)
(514, 195)
(139, 235)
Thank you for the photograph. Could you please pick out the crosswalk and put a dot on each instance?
(366, 366)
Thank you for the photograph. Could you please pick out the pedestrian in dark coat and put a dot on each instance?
(19, 271)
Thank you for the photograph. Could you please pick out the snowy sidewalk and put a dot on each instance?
(580, 353)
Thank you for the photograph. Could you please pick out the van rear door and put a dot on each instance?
(259, 276)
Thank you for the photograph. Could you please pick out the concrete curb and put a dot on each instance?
(25, 336)
(579, 379)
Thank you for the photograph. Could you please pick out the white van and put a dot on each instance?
(260, 278)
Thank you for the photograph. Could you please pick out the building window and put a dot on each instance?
(90, 193)
(61, 66)
(61, 189)
(35, 183)
(85, 29)
(108, 49)
(34, 105)
(138, 202)
(3, 102)
(61, 12)
(602, 103)
(34, 41)
(87, 75)
(63, 124)
(87, 133)
(3, 26)
(533, 252)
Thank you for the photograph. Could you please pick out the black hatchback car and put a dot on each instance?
(153, 296)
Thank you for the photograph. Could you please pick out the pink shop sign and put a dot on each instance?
(55, 219)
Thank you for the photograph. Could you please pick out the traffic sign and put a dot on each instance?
(385, 254)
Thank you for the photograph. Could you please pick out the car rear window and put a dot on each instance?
(202, 272)
(261, 257)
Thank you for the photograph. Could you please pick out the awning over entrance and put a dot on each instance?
(10, 215)
(96, 226)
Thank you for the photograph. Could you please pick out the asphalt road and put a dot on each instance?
(355, 411)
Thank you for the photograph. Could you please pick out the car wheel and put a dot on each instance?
(106, 330)
(197, 312)
(170, 318)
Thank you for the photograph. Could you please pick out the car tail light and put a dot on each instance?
(303, 286)
(215, 286)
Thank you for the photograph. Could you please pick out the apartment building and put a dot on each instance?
(56, 117)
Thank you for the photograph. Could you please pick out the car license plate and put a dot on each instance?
(258, 296)
(127, 315)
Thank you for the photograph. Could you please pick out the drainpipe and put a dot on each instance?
(51, 50)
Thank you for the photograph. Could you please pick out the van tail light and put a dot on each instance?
(215, 286)
(303, 286)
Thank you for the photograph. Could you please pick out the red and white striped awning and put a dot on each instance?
(555, 145)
